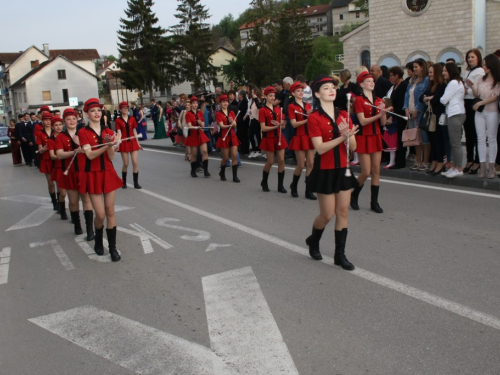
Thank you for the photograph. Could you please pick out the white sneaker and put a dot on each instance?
(455, 173)
(263, 155)
(445, 173)
(252, 155)
(257, 154)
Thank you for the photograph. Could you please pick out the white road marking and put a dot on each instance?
(201, 234)
(58, 250)
(4, 265)
(41, 201)
(214, 246)
(132, 345)
(420, 295)
(486, 195)
(37, 217)
(242, 328)
(146, 237)
(85, 246)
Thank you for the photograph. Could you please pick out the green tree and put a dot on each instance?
(144, 50)
(317, 66)
(235, 70)
(194, 39)
(363, 6)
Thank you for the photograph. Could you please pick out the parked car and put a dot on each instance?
(5, 145)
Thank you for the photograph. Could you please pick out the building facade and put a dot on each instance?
(344, 15)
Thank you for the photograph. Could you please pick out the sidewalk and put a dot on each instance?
(468, 181)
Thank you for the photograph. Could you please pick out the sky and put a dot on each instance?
(71, 24)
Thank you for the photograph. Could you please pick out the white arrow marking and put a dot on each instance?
(201, 234)
(242, 329)
(134, 346)
(146, 237)
(4, 265)
(214, 246)
(37, 217)
(63, 258)
(80, 240)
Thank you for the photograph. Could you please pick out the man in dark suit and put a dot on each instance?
(154, 113)
(382, 85)
(24, 133)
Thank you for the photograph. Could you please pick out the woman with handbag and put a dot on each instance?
(431, 97)
(486, 89)
(415, 109)
(453, 99)
(369, 139)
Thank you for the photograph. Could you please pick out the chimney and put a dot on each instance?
(46, 49)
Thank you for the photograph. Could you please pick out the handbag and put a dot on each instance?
(475, 101)
(428, 120)
(411, 137)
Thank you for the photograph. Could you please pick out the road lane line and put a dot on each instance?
(418, 294)
(58, 250)
(4, 265)
(130, 344)
(243, 332)
(37, 217)
(486, 195)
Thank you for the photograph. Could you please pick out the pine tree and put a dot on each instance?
(194, 39)
(145, 51)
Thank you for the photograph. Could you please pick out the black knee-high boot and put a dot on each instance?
(98, 244)
(89, 224)
(374, 202)
(75, 218)
(193, 169)
(355, 196)
(281, 177)
(235, 173)
(54, 201)
(339, 258)
(57, 204)
(313, 242)
(309, 193)
(124, 179)
(62, 210)
(136, 181)
(111, 233)
(205, 168)
(293, 186)
(263, 183)
(222, 172)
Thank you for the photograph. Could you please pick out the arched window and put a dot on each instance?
(418, 55)
(365, 59)
(390, 61)
(451, 55)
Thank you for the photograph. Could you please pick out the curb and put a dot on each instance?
(404, 174)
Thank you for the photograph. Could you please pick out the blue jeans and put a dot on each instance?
(228, 164)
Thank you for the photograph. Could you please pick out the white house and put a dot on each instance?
(344, 13)
(53, 83)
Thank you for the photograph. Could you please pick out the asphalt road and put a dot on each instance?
(215, 278)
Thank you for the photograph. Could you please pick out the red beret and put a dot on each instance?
(55, 119)
(91, 103)
(46, 115)
(44, 108)
(223, 98)
(269, 90)
(123, 105)
(295, 86)
(69, 112)
(193, 99)
(362, 76)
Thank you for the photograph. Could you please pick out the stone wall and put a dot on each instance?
(354, 45)
(492, 26)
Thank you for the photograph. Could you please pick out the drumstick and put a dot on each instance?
(281, 119)
(229, 129)
(348, 170)
(70, 164)
(301, 113)
(385, 110)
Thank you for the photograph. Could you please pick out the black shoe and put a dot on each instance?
(55, 204)
(293, 186)
(75, 218)
(193, 169)
(205, 168)
(263, 183)
(313, 242)
(235, 174)
(281, 177)
(124, 179)
(374, 201)
(355, 196)
(113, 252)
(136, 181)
(98, 244)
(376, 208)
(222, 173)
(89, 224)
(62, 210)
(339, 259)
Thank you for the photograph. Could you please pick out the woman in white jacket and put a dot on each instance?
(453, 99)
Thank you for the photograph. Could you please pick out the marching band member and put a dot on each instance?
(369, 139)
(196, 137)
(46, 164)
(329, 129)
(57, 171)
(300, 143)
(126, 127)
(227, 140)
(272, 122)
(68, 146)
(99, 179)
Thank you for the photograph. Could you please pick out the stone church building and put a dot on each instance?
(400, 31)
